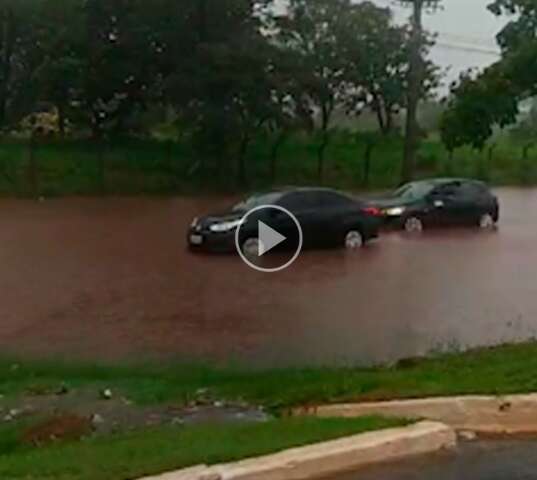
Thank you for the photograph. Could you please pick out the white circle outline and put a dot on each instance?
(298, 250)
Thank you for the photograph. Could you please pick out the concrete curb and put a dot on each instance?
(505, 415)
(331, 457)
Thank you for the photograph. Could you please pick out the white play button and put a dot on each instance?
(258, 234)
(268, 238)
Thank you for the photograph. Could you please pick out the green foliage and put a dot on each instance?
(476, 106)
(502, 370)
(157, 450)
(228, 70)
(491, 99)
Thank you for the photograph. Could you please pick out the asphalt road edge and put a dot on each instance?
(484, 415)
(330, 458)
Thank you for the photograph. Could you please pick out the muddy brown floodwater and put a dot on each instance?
(111, 279)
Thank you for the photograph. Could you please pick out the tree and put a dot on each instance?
(222, 87)
(313, 31)
(378, 81)
(491, 98)
(416, 78)
(476, 106)
(19, 55)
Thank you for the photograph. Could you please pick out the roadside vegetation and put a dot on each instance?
(156, 450)
(114, 97)
(354, 161)
(499, 370)
(69, 446)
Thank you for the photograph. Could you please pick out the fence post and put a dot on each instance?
(33, 173)
(101, 165)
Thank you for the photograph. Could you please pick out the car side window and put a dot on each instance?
(450, 190)
(332, 199)
(473, 190)
(298, 201)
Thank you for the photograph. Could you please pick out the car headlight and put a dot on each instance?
(225, 226)
(396, 211)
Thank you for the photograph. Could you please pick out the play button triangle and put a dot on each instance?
(268, 238)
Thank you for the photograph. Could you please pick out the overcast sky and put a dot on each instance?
(466, 31)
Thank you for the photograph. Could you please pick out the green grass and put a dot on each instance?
(134, 455)
(501, 370)
(134, 166)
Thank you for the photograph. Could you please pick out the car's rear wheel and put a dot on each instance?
(486, 221)
(413, 225)
(354, 240)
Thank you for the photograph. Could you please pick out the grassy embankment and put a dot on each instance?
(155, 450)
(133, 167)
(501, 370)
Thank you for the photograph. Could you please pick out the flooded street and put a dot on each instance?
(111, 279)
(499, 460)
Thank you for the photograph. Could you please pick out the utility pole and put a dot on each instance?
(415, 83)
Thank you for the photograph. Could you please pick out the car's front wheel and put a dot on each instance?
(413, 225)
(354, 240)
(251, 247)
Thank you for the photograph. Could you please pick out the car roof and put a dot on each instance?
(286, 190)
(445, 180)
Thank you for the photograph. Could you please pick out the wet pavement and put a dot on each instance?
(500, 460)
(111, 279)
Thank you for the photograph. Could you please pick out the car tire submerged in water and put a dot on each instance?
(413, 225)
(354, 240)
(486, 221)
(250, 247)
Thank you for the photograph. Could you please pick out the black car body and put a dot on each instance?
(325, 216)
(439, 202)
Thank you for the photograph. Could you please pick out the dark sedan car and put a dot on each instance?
(440, 202)
(328, 218)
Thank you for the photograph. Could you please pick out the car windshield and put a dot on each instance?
(414, 191)
(257, 201)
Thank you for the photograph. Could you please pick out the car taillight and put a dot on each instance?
(372, 211)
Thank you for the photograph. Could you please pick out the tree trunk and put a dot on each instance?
(325, 138)
(275, 150)
(367, 163)
(377, 107)
(61, 120)
(33, 174)
(490, 155)
(6, 68)
(415, 81)
(526, 151)
(321, 156)
(241, 167)
(101, 165)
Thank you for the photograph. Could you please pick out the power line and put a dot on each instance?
(467, 48)
(487, 43)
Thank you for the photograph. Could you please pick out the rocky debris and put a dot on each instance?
(62, 390)
(467, 435)
(108, 410)
(16, 413)
(56, 429)
(97, 420)
(11, 415)
(106, 394)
